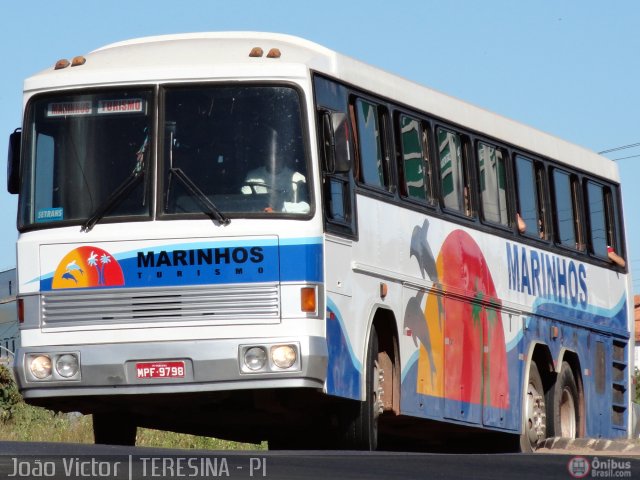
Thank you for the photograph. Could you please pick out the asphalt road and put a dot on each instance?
(69, 461)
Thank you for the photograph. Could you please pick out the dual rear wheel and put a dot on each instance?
(550, 412)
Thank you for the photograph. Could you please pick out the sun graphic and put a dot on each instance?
(88, 267)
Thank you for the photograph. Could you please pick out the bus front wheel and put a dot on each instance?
(361, 419)
(114, 429)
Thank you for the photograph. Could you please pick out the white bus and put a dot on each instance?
(250, 236)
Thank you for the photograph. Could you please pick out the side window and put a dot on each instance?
(416, 166)
(602, 225)
(567, 213)
(598, 231)
(453, 176)
(531, 187)
(372, 157)
(336, 150)
(337, 210)
(493, 183)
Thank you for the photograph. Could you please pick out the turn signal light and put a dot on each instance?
(308, 299)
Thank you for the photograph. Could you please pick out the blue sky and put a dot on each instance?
(568, 67)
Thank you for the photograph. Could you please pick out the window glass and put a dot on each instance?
(44, 172)
(370, 142)
(597, 219)
(337, 195)
(414, 159)
(528, 197)
(614, 227)
(452, 179)
(242, 147)
(81, 149)
(493, 184)
(566, 210)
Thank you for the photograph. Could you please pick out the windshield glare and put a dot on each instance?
(241, 146)
(80, 149)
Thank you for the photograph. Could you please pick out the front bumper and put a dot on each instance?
(210, 365)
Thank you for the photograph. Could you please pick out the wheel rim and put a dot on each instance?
(377, 392)
(567, 415)
(536, 423)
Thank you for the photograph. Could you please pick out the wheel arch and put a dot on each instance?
(540, 353)
(384, 320)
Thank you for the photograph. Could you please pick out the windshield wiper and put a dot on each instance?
(207, 205)
(122, 191)
(114, 199)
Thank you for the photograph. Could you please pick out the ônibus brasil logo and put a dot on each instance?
(88, 267)
(579, 467)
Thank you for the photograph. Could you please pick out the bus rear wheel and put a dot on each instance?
(114, 429)
(534, 412)
(564, 404)
(361, 418)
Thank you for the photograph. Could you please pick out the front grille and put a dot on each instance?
(217, 304)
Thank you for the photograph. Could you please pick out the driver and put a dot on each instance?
(284, 188)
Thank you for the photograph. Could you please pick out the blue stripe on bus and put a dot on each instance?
(611, 319)
(344, 370)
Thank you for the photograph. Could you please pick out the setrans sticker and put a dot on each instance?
(128, 105)
(65, 109)
(50, 214)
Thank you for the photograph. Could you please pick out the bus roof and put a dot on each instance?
(225, 55)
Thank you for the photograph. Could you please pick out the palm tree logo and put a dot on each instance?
(92, 261)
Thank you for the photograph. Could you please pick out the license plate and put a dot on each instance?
(160, 370)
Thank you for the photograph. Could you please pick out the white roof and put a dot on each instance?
(225, 55)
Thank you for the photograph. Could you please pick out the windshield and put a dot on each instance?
(228, 152)
(241, 146)
(81, 148)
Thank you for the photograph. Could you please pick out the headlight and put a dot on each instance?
(283, 356)
(67, 365)
(40, 366)
(255, 358)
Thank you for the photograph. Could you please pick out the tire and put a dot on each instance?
(114, 429)
(564, 406)
(534, 412)
(361, 418)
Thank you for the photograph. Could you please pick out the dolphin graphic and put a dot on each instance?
(421, 249)
(69, 276)
(414, 318)
(73, 266)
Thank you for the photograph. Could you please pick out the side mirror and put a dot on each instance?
(13, 162)
(335, 142)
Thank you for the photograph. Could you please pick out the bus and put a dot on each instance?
(251, 236)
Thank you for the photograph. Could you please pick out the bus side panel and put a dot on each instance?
(344, 370)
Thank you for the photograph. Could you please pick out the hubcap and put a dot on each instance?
(536, 416)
